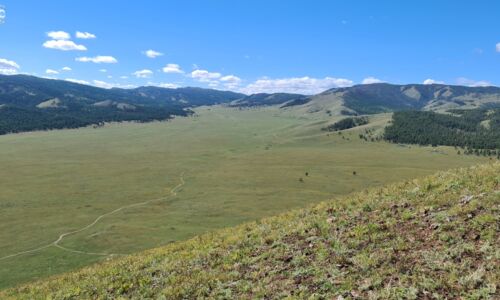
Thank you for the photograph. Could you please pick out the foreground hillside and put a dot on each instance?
(436, 237)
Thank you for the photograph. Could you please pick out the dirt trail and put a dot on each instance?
(173, 193)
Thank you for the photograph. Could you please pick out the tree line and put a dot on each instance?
(347, 123)
(473, 130)
(15, 119)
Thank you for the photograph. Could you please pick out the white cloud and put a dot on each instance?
(52, 72)
(497, 47)
(230, 78)
(370, 80)
(213, 84)
(58, 35)
(77, 81)
(124, 77)
(103, 84)
(231, 82)
(2, 15)
(66, 69)
(152, 54)
(300, 85)
(172, 68)
(164, 85)
(64, 45)
(98, 59)
(107, 85)
(432, 81)
(5, 63)
(103, 70)
(8, 67)
(143, 73)
(204, 75)
(85, 35)
(168, 85)
(473, 83)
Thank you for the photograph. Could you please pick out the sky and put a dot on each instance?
(252, 46)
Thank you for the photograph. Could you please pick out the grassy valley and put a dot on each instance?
(236, 166)
(183, 150)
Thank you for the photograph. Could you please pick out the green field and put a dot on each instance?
(228, 166)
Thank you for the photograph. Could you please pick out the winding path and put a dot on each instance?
(56, 243)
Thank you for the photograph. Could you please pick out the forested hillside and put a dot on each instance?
(15, 119)
(471, 129)
(31, 103)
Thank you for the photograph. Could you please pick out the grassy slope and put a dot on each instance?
(435, 237)
(240, 166)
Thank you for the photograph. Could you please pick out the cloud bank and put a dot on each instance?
(8, 67)
(64, 45)
(298, 85)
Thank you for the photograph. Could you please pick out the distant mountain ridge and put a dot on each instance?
(28, 91)
(384, 97)
(32, 103)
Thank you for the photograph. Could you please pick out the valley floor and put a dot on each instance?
(237, 166)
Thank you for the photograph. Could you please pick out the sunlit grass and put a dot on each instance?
(239, 166)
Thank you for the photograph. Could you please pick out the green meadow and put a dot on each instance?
(127, 187)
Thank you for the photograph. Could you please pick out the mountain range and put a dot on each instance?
(384, 97)
(32, 103)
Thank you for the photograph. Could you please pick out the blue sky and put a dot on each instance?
(252, 46)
